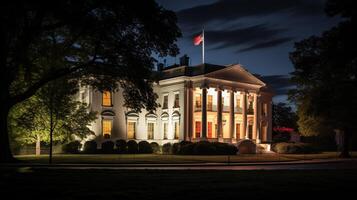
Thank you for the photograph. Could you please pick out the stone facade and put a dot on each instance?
(204, 102)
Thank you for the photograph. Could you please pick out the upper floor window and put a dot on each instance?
(107, 128)
(165, 103)
(198, 100)
(238, 103)
(177, 100)
(210, 102)
(250, 109)
(107, 98)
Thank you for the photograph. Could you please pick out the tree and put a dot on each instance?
(105, 43)
(52, 114)
(283, 116)
(326, 72)
(283, 119)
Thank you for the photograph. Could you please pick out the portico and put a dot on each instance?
(227, 111)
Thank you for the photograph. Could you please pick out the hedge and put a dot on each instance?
(132, 146)
(144, 147)
(121, 146)
(155, 147)
(72, 147)
(108, 147)
(294, 148)
(90, 147)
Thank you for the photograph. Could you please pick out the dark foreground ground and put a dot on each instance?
(28, 183)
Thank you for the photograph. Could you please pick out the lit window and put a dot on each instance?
(107, 128)
(209, 130)
(131, 130)
(165, 104)
(238, 103)
(177, 101)
(210, 102)
(165, 130)
(237, 131)
(177, 130)
(107, 98)
(198, 129)
(150, 131)
(198, 100)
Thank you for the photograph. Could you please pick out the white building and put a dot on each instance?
(204, 102)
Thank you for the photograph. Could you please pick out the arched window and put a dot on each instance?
(131, 124)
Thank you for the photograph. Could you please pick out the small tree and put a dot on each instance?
(52, 114)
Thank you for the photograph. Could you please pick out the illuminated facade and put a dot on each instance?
(204, 102)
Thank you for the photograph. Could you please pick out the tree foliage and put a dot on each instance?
(284, 116)
(31, 119)
(106, 43)
(326, 72)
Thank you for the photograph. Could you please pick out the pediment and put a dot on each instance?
(235, 73)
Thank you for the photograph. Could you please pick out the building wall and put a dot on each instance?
(118, 113)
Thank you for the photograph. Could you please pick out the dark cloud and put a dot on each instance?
(253, 37)
(267, 44)
(280, 83)
(229, 10)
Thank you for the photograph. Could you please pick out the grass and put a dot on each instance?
(155, 158)
(27, 183)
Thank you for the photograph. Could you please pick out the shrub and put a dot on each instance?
(132, 146)
(175, 148)
(71, 147)
(225, 149)
(247, 147)
(108, 147)
(144, 147)
(204, 148)
(121, 146)
(155, 147)
(294, 148)
(90, 147)
(166, 148)
(187, 149)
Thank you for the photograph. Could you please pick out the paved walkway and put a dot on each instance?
(328, 164)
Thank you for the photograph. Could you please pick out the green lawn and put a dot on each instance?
(155, 158)
(27, 183)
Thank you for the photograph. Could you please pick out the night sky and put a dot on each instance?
(259, 34)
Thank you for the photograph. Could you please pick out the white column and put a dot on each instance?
(231, 118)
(219, 114)
(244, 115)
(259, 121)
(204, 113)
(255, 119)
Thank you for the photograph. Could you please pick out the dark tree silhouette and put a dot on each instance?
(326, 72)
(105, 43)
(284, 116)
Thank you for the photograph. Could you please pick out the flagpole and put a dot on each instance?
(203, 45)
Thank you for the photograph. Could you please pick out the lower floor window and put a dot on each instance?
(165, 130)
(198, 129)
(209, 130)
(237, 131)
(107, 128)
(177, 130)
(150, 130)
(131, 130)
